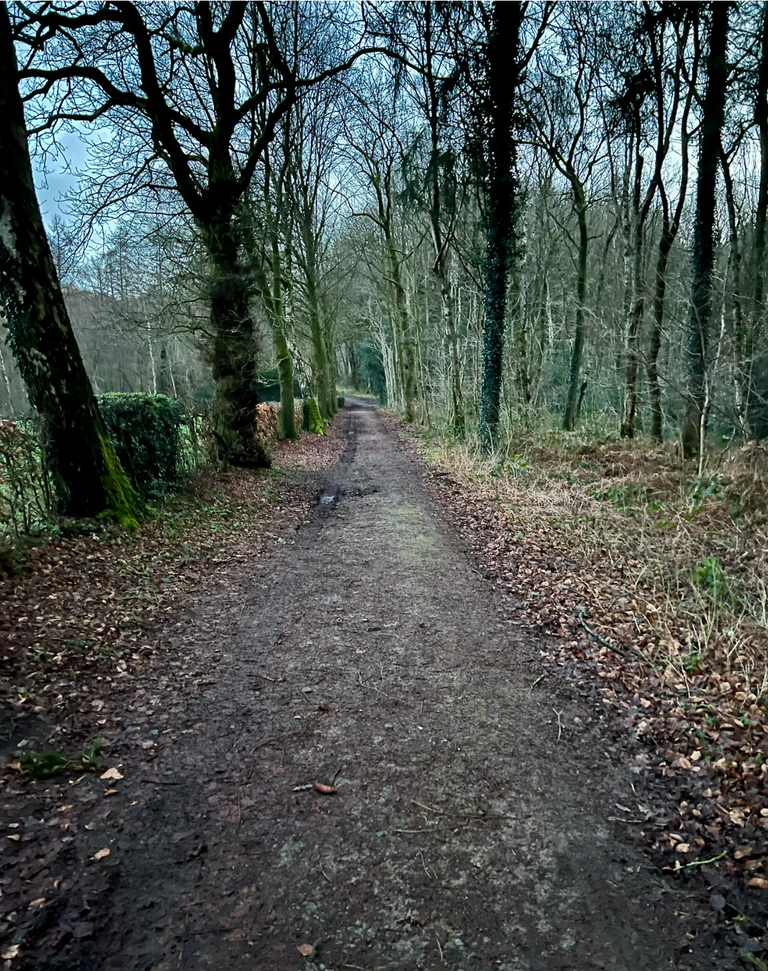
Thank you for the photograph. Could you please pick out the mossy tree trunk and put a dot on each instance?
(233, 355)
(86, 473)
(669, 229)
(274, 305)
(407, 342)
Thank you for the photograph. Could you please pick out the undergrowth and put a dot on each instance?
(651, 576)
(695, 547)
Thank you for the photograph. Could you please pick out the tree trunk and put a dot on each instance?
(503, 76)
(448, 311)
(233, 357)
(659, 295)
(747, 396)
(285, 375)
(635, 318)
(702, 257)
(406, 344)
(577, 352)
(87, 474)
(732, 300)
(354, 368)
(330, 357)
(274, 305)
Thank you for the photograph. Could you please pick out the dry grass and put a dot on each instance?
(692, 553)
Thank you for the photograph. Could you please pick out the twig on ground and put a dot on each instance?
(714, 859)
(612, 647)
(444, 812)
(431, 809)
(559, 723)
(540, 677)
(437, 941)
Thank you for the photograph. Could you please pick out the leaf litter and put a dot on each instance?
(696, 734)
(83, 655)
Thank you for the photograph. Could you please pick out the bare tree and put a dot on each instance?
(86, 471)
(196, 93)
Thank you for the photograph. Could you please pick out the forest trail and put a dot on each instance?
(472, 824)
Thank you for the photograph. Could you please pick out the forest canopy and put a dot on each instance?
(477, 211)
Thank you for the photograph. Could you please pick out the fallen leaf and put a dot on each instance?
(303, 788)
(111, 792)
(743, 851)
(683, 848)
(14, 836)
(325, 790)
(306, 950)
(759, 882)
(11, 952)
(111, 774)
(102, 854)
(36, 903)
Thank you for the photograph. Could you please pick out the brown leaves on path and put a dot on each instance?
(702, 729)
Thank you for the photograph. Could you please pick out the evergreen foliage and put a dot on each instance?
(145, 431)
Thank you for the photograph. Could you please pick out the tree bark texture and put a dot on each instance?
(654, 347)
(87, 475)
(320, 355)
(503, 78)
(233, 356)
(702, 257)
(577, 349)
(746, 392)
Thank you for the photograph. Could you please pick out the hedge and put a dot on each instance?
(145, 431)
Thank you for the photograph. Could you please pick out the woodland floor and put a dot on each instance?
(489, 812)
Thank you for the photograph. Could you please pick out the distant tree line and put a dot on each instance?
(482, 211)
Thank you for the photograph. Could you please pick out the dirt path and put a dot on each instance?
(472, 825)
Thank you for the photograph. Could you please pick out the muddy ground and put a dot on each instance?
(479, 817)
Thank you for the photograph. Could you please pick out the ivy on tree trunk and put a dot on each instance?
(503, 70)
(87, 476)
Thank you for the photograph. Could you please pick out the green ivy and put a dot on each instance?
(145, 429)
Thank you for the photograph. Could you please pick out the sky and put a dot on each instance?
(58, 177)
